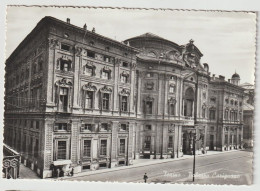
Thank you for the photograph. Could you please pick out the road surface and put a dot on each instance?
(224, 168)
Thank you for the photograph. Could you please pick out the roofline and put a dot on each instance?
(52, 19)
(154, 38)
(229, 84)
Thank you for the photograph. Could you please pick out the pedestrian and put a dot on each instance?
(145, 177)
(72, 172)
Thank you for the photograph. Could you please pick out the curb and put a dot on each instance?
(141, 165)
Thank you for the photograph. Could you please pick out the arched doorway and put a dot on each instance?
(188, 102)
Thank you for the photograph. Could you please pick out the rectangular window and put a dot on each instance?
(105, 101)
(88, 71)
(62, 150)
(65, 47)
(123, 127)
(124, 79)
(62, 126)
(170, 143)
(88, 127)
(37, 124)
(31, 124)
(104, 127)
(122, 146)
(148, 127)
(105, 75)
(172, 109)
(171, 90)
(147, 142)
(149, 107)
(125, 64)
(212, 114)
(89, 100)
(124, 103)
(36, 148)
(107, 59)
(103, 147)
(63, 98)
(87, 148)
(90, 54)
(203, 112)
(226, 114)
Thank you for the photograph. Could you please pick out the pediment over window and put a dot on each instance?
(172, 100)
(90, 64)
(124, 92)
(64, 82)
(106, 69)
(212, 108)
(106, 89)
(89, 87)
(124, 73)
(149, 98)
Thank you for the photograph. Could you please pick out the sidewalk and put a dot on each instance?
(143, 162)
(27, 173)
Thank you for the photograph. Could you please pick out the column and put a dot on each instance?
(130, 143)
(74, 140)
(51, 62)
(228, 143)
(47, 145)
(76, 86)
(116, 71)
(113, 154)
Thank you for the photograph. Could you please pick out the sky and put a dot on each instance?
(226, 39)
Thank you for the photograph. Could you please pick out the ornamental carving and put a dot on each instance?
(106, 89)
(64, 82)
(117, 61)
(149, 98)
(53, 43)
(78, 50)
(124, 92)
(149, 85)
(133, 65)
(124, 73)
(89, 87)
(172, 100)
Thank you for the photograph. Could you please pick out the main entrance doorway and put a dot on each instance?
(211, 142)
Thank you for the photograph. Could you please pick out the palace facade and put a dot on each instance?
(74, 96)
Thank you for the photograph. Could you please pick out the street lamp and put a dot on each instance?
(194, 139)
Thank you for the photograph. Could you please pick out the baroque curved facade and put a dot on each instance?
(73, 95)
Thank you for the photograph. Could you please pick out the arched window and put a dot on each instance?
(124, 100)
(63, 94)
(88, 96)
(172, 106)
(188, 102)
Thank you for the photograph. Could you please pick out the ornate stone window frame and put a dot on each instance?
(102, 91)
(66, 60)
(108, 70)
(89, 65)
(89, 87)
(148, 99)
(125, 74)
(172, 101)
(124, 92)
(63, 83)
(174, 88)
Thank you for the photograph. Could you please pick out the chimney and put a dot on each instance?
(213, 76)
(93, 30)
(228, 80)
(222, 78)
(68, 20)
(85, 27)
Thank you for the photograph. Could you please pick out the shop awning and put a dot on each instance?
(61, 162)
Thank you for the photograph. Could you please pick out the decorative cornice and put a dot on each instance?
(106, 89)
(53, 43)
(64, 83)
(124, 92)
(89, 87)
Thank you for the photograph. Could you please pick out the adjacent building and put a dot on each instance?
(74, 96)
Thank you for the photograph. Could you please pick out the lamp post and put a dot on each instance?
(194, 139)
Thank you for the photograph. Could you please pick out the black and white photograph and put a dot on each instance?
(129, 95)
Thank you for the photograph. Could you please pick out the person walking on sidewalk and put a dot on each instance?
(145, 177)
